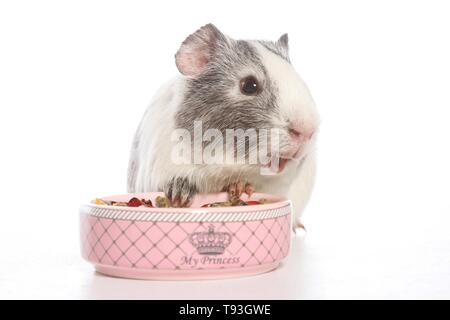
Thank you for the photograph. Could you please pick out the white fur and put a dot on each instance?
(294, 98)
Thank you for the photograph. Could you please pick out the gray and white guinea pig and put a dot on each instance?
(228, 84)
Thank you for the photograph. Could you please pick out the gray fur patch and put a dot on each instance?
(208, 98)
(276, 48)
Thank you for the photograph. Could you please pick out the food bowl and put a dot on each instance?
(186, 243)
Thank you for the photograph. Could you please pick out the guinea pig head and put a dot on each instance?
(245, 84)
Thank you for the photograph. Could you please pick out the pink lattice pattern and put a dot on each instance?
(168, 245)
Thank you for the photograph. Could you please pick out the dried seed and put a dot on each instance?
(147, 203)
(99, 201)
(162, 202)
(119, 204)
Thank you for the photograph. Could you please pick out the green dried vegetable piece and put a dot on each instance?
(236, 201)
(119, 204)
(162, 202)
(224, 204)
(219, 204)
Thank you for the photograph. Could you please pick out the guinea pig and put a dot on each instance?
(228, 84)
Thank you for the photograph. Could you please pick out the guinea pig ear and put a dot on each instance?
(284, 41)
(197, 50)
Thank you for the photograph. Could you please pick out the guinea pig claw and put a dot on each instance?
(235, 190)
(249, 189)
(175, 202)
(231, 189)
(185, 200)
(180, 192)
(299, 228)
(181, 200)
(239, 188)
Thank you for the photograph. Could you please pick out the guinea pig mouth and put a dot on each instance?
(277, 168)
(282, 164)
(278, 163)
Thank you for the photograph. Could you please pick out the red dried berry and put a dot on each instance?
(134, 202)
(251, 203)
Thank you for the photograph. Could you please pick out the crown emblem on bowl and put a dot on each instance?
(210, 242)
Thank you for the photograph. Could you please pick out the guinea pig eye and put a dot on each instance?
(249, 86)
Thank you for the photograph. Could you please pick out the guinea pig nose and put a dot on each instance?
(294, 132)
(304, 132)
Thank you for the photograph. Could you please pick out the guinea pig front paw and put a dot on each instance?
(236, 189)
(180, 191)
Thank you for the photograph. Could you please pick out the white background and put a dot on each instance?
(76, 77)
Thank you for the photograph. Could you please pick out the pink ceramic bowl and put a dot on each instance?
(185, 243)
